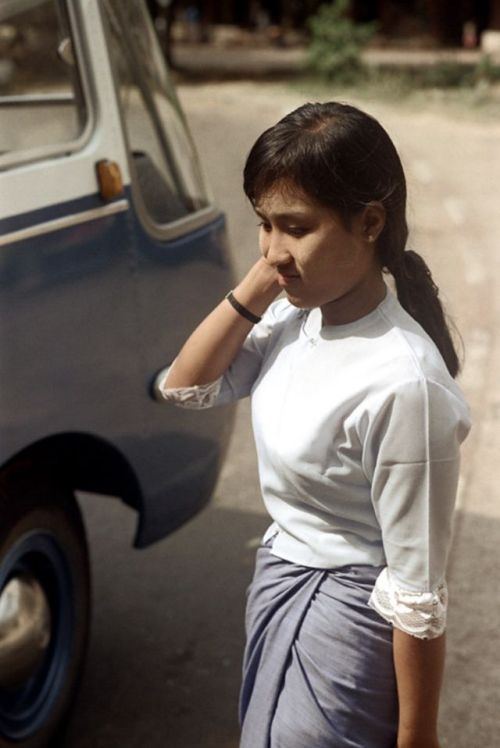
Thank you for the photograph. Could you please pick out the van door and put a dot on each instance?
(184, 268)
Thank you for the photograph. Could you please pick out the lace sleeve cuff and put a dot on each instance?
(421, 614)
(196, 397)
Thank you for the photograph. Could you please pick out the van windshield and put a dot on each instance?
(167, 170)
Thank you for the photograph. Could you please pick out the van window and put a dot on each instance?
(42, 108)
(164, 163)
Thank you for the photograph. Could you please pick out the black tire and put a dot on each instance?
(41, 531)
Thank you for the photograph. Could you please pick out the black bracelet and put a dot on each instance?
(246, 313)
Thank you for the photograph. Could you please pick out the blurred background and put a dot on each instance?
(423, 22)
(425, 30)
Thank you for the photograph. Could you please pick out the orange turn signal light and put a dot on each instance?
(110, 179)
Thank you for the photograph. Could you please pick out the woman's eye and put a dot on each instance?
(297, 231)
(264, 226)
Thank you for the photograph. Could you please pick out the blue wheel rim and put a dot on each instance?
(26, 709)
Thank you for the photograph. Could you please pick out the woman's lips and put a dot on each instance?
(284, 279)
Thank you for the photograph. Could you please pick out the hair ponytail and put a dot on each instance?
(344, 159)
(419, 296)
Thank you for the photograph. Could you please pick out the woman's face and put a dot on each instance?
(320, 262)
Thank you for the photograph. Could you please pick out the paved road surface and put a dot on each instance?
(167, 638)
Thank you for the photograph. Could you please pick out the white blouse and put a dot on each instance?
(357, 429)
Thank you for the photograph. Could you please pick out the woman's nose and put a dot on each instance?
(274, 249)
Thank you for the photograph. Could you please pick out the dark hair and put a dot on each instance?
(343, 158)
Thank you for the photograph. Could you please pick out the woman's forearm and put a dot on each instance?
(211, 348)
(419, 665)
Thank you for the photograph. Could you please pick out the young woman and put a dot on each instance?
(357, 422)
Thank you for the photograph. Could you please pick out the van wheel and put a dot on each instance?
(44, 614)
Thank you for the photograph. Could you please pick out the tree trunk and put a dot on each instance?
(494, 22)
(446, 19)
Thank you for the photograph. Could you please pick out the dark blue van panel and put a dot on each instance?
(89, 313)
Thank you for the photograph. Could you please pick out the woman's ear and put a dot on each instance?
(372, 221)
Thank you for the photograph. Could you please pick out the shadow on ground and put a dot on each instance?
(165, 658)
(469, 713)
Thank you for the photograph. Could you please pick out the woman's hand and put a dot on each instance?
(259, 287)
(211, 348)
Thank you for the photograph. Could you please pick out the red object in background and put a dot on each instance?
(469, 35)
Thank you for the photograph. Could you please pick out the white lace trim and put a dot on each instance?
(421, 614)
(196, 397)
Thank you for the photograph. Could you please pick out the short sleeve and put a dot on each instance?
(420, 614)
(237, 382)
(413, 460)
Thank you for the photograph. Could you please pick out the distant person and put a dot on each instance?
(358, 423)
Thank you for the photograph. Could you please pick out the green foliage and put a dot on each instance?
(445, 75)
(449, 75)
(487, 70)
(336, 43)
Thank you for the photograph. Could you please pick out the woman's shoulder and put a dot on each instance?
(407, 370)
(412, 353)
(421, 401)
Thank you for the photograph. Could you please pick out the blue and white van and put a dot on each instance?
(111, 251)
